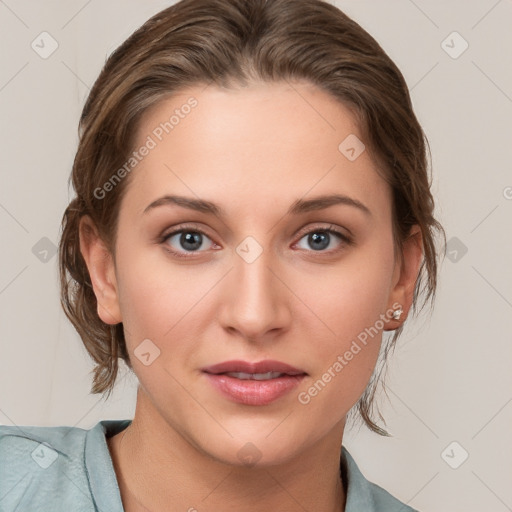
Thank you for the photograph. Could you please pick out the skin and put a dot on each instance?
(254, 151)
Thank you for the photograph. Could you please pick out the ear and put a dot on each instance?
(101, 269)
(405, 276)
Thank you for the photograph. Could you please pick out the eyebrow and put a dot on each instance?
(297, 207)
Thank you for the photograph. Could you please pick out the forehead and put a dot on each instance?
(255, 147)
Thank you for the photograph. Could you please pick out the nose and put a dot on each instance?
(255, 303)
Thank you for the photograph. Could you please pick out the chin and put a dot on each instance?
(253, 443)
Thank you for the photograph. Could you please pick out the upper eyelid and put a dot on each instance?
(195, 227)
(330, 227)
(186, 227)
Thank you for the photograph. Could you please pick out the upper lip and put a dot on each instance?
(257, 367)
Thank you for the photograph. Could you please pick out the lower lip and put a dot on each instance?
(254, 392)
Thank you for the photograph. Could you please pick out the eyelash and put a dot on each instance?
(345, 239)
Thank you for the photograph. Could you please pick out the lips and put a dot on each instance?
(261, 367)
(258, 383)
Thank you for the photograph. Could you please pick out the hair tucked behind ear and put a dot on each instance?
(227, 42)
(104, 343)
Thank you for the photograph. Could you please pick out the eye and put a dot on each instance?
(185, 240)
(320, 238)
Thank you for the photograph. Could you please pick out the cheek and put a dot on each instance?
(162, 301)
(149, 296)
(347, 305)
(350, 297)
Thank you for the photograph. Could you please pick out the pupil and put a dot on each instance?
(191, 238)
(322, 238)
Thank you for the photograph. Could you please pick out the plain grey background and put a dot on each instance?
(449, 383)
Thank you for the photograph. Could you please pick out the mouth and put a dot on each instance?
(262, 370)
(253, 383)
(254, 376)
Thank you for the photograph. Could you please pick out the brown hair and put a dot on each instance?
(226, 42)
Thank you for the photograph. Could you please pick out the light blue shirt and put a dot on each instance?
(69, 469)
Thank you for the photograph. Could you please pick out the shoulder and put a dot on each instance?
(43, 468)
(365, 495)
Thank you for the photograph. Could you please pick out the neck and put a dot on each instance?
(157, 466)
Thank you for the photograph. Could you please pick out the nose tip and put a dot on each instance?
(254, 302)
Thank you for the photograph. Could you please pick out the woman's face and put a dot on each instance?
(260, 278)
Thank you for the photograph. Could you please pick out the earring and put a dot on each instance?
(397, 314)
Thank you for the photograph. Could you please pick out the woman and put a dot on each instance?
(252, 213)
